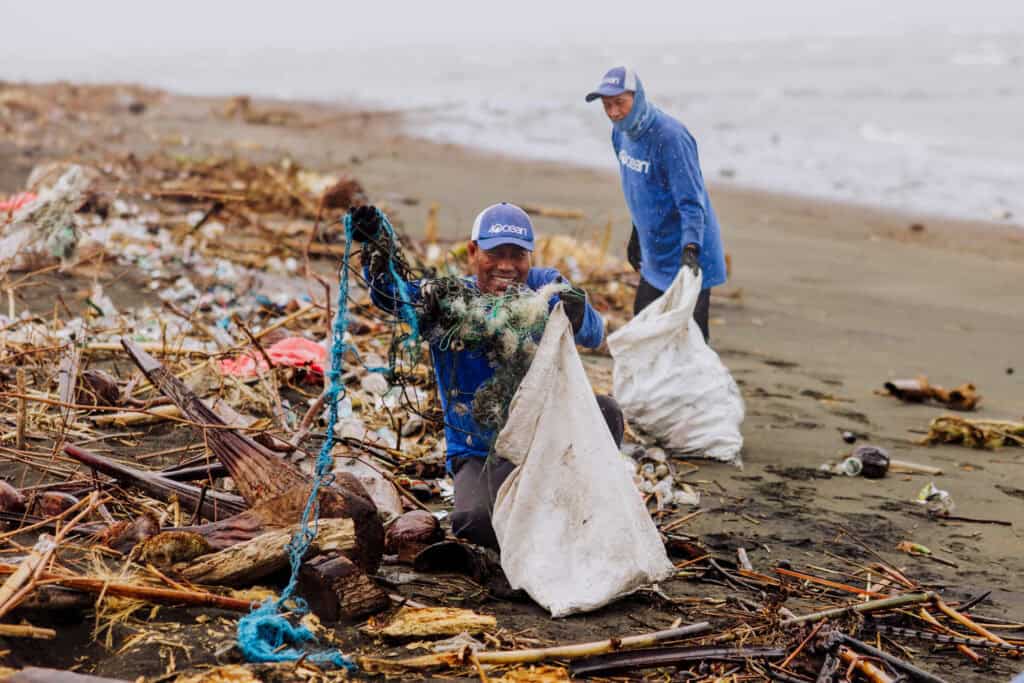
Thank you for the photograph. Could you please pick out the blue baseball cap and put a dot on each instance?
(616, 81)
(503, 224)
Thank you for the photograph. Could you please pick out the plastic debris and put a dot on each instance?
(294, 352)
(937, 502)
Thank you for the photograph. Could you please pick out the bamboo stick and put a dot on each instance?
(26, 631)
(540, 654)
(967, 621)
(870, 606)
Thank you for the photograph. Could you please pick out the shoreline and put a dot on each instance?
(1012, 228)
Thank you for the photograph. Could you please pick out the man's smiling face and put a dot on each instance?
(498, 268)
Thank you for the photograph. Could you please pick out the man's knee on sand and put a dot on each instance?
(474, 525)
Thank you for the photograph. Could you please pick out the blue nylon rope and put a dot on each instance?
(262, 633)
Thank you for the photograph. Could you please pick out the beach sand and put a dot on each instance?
(826, 301)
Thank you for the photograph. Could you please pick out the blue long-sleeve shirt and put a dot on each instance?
(665, 193)
(460, 373)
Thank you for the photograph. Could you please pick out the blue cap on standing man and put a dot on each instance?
(616, 81)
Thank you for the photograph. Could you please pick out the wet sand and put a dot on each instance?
(826, 302)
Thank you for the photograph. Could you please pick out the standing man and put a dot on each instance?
(674, 224)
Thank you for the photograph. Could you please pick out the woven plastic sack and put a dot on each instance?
(573, 530)
(671, 385)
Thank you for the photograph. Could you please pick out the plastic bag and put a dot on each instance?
(573, 530)
(671, 385)
(293, 352)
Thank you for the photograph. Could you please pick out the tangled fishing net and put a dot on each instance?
(504, 327)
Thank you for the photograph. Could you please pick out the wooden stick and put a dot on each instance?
(825, 582)
(793, 655)
(870, 606)
(147, 593)
(904, 467)
(540, 654)
(19, 441)
(26, 631)
(963, 649)
(869, 670)
(967, 621)
(681, 521)
(21, 576)
(136, 417)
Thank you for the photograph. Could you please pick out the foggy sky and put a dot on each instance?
(50, 28)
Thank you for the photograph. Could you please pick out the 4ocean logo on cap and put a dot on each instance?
(500, 228)
(611, 80)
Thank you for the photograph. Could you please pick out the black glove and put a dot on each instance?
(365, 223)
(691, 258)
(633, 250)
(430, 301)
(574, 302)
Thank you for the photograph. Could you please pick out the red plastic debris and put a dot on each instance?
(293, 352)
(17, 201)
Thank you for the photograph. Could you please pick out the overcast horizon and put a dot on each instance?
(61, 28)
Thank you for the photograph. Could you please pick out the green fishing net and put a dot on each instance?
(504, 327)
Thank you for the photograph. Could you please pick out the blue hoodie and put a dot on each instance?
(665, 193)
(460, 373)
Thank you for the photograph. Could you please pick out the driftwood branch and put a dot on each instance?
(250, 561)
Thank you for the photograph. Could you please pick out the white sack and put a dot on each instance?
(671, 385)
(573, 530)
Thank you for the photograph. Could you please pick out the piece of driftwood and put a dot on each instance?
(633, 660)
(276, 490)
(252, 560)
(215, 504)
(414, 622)
(336, 589)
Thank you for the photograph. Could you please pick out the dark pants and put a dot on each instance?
(477, 481)
(646, 293)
